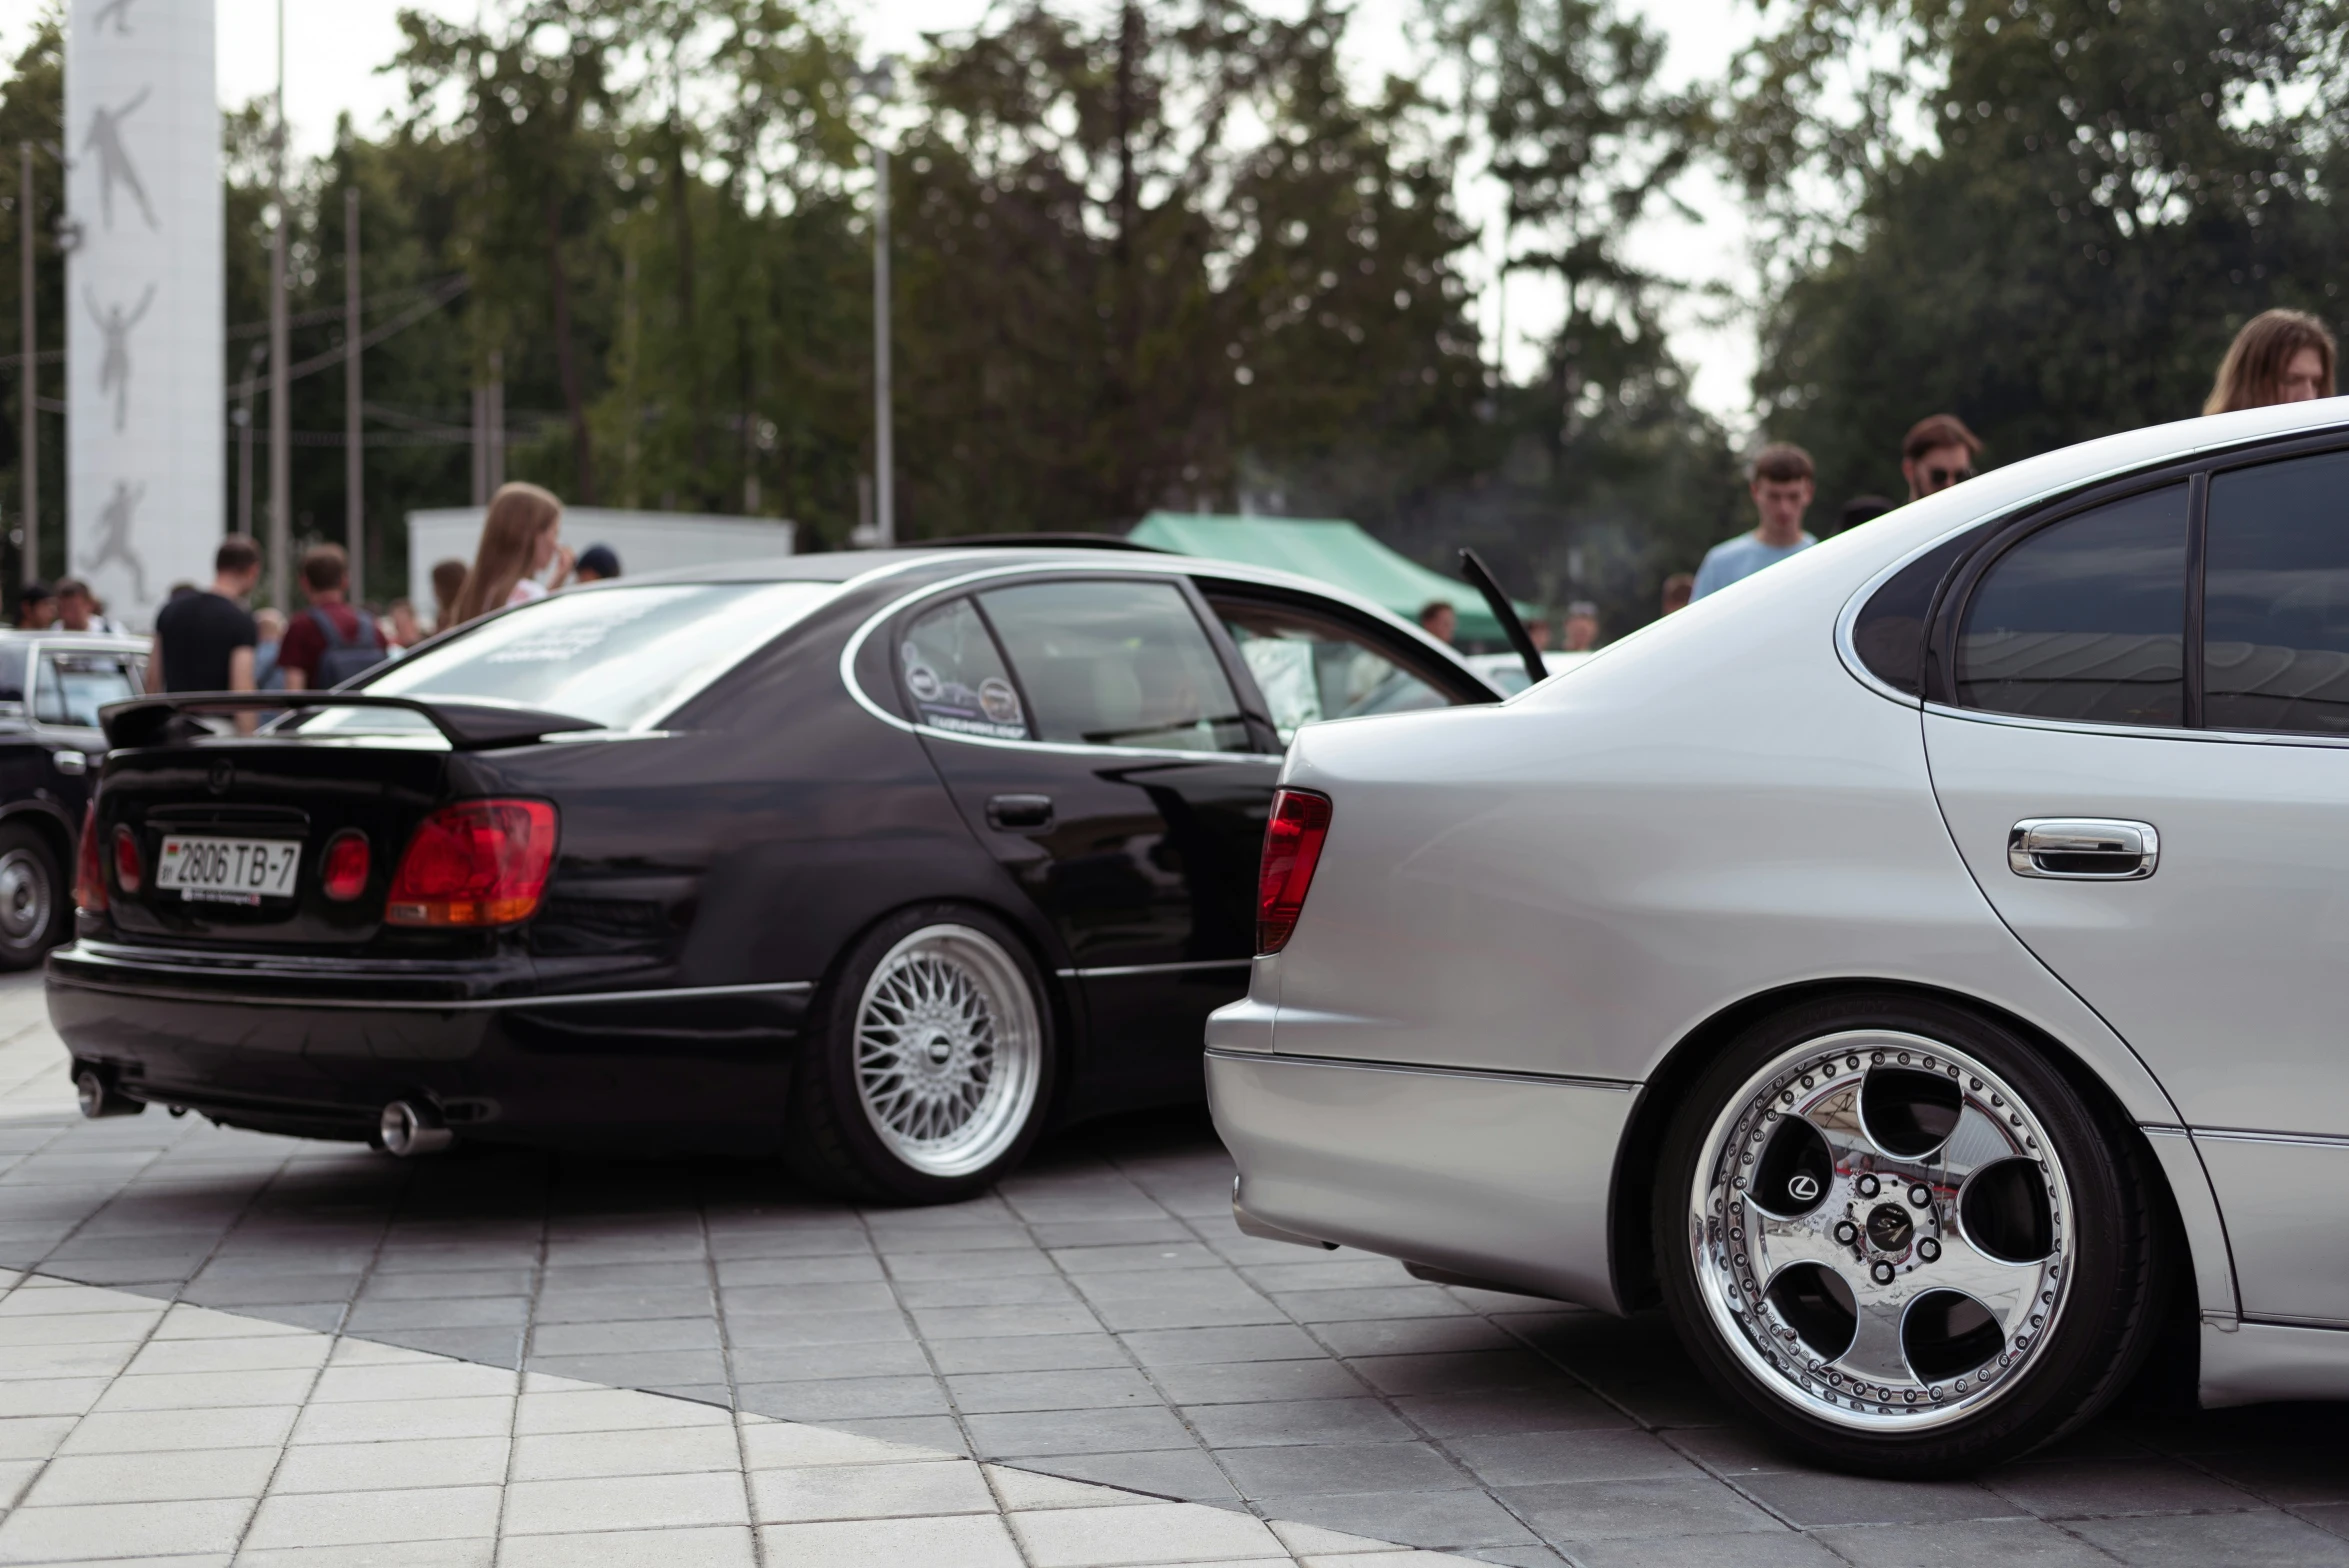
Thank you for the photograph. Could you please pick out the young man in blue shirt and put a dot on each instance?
(1782, 489)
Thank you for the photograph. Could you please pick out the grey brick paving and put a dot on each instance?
(1100, 1318)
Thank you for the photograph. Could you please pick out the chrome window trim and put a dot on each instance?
(1848, 618)
(1187, 567)
(2138, 732)
(1424, 1069)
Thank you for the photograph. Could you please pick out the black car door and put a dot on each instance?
(1094, 738)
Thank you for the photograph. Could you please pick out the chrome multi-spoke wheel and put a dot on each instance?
(1904, 1238)
(948, 1050)
(1881, 1226)
(32, 897)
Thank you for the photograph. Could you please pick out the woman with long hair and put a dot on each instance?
(519, 539)
(2280, 356)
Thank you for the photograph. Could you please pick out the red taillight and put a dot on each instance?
(127, 870)
(476, 863)
(343, 876)
(1292, 848)
(89, 871)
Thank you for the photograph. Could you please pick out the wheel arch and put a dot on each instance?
(1631, 1256)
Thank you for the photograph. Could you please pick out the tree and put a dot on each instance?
(2104, 193)
(32, 109)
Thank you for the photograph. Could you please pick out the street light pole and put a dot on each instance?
(354, 469)
(884, 415)
(29, 416)
(281, 471)
(882, 80)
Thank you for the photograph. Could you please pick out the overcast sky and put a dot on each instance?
(333, 49)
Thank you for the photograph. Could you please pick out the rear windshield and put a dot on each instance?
(620, 656)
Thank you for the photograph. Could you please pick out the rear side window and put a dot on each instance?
(2275, 616)
(1889, 633)
(12, 672)
(954, 677)
(2085, 619)
(1117, 664)
(1311, 668)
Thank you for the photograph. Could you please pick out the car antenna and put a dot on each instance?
(1506, 613)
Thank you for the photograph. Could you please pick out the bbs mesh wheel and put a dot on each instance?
(928, 1071)
(1903, 1240)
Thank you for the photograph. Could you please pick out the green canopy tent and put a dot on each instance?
(1327, 550)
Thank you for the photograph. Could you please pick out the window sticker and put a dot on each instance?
(956, 680)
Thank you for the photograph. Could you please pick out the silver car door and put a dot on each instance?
(2164, 818)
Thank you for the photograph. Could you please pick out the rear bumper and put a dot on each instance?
(285, 1048)
(1494, 1176)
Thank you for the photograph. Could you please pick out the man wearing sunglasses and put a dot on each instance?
(1939, 452)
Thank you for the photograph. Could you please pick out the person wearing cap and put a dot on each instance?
(1582, 626)
(37, 611)
(597, 563)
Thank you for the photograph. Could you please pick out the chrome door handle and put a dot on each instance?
(72, 763)
(2083, 849)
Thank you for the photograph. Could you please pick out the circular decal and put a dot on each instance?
(998, 701)
(922, 681)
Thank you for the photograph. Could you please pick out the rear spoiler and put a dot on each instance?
(474, 724)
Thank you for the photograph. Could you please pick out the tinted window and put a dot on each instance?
(12, 671)
(2085, 619)
(74, 686)
(1889, 632)
(954, 676)
(1311, 668)
(1117, 664)
(2275, 616)
(614, 655)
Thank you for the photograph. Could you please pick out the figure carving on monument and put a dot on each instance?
(114, 367)
(114, 537)
(115, 11)
(114, 163)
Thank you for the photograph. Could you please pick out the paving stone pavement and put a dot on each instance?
(1097, 1318)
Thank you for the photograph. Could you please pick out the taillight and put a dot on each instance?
(127, 870)
(343, 874)
(476, 863)
(1292, 848)
(89, 870)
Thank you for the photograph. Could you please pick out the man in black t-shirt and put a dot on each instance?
(204, 641)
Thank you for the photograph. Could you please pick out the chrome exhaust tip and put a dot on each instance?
(98, 1098)
(409, 1129)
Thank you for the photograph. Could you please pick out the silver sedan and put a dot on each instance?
(1923, 967)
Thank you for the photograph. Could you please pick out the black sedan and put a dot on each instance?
(884, 862)
(52, 685)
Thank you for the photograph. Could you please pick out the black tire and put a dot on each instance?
(35, 904)
(1770, 1341)
(857, 1122)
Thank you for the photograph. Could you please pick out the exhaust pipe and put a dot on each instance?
(410, 1128)
(97, 1096)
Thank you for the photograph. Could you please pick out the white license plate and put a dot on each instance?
(228, 870)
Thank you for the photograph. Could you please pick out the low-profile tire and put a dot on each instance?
(1903, 1240)
(33, 897)
(927, 1067)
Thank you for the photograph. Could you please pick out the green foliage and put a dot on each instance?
(2099, 193)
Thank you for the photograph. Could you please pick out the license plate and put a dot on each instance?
(209, 870)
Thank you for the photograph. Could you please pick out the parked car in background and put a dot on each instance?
(52, 685)
(1920, 966)
(1505, 672)
(883, 860)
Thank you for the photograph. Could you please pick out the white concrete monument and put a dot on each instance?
(145, 432)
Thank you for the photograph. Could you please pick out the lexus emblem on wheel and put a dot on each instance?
(1802, 1187)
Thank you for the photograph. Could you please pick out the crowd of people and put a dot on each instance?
(2280, 356)
(209, 639)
